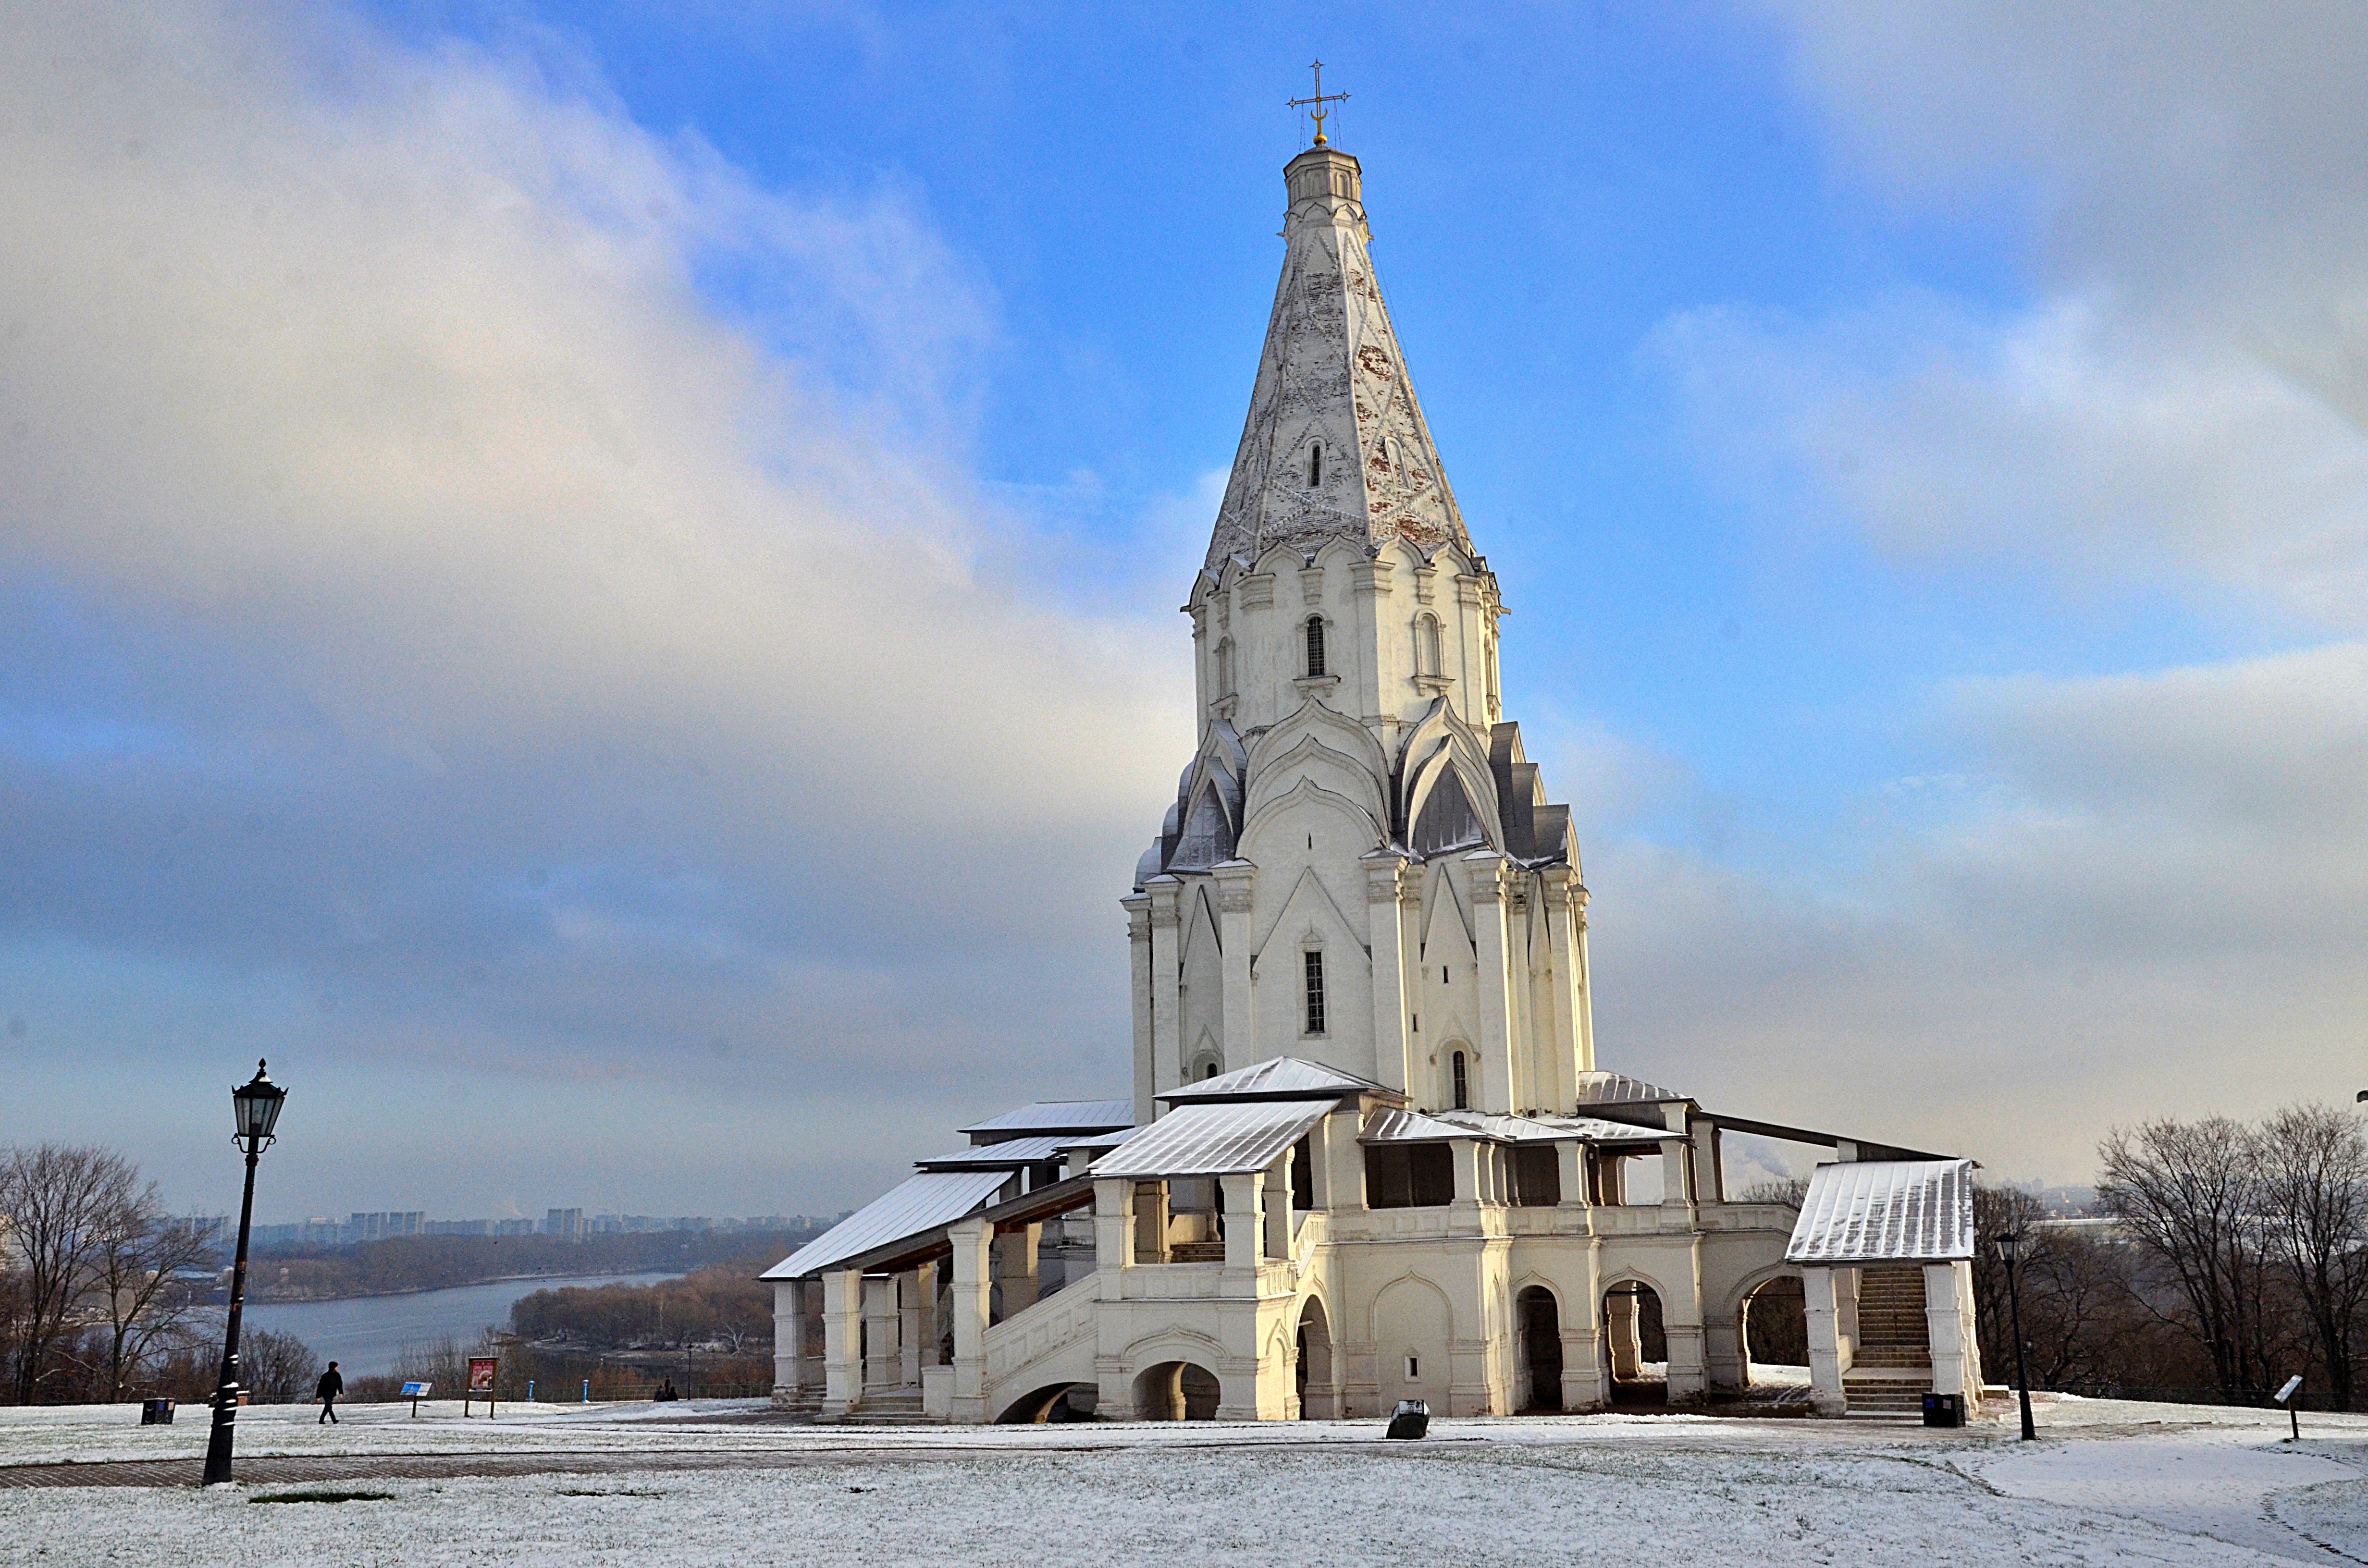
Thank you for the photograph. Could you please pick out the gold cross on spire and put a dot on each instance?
(1315, 105)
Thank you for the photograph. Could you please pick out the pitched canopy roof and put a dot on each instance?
(1886, 1211)
(1282, 1078)
(1214, 1140)
(921, 1203)
(1335, 446)
(1059, 1115)
(1011, 1154)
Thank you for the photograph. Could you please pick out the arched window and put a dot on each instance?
(1459, 1072)
(1224, 670)
(1315, 645)
(1208, 1071)
(1427, 655)
(1314, 465)
(1314, 961)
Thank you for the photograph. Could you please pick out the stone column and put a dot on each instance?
(1341, 1165)
(1240, 1198)
(1138, 951)
(1828, 1355)
(1277, 1208)
(883, 1323)
(1471, 1183)
(1557, 886)
(1236, 879)
(1956, 1358)
(1626, 1338)
(1570, 1170)
(919, 1328)
(974, 1241)
(1166, 999)
(1387, 899)
(1114, 1239)
(1710, 1164)
(790, 1349)
(1677, 1178)
(1494, 1092)
(842, 1340)
(1016, 1267)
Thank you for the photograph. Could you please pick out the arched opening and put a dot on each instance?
(1315, 666)
(1537, 1327)
(1176, 1391)
(1636, 1351)
(1773, 1328)
(1459, 1086)
(1315, 464)
(1224, 669)
(1427, 653)
(1312, 965)
(1319, 1398)
(1052, 1404)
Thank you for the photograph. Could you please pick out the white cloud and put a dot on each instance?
(423, 590)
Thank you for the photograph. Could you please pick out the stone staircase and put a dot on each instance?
(1892, 1369)
(887, 1407)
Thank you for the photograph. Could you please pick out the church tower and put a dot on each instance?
(1361, 867)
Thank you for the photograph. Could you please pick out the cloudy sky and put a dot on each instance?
(599, 581)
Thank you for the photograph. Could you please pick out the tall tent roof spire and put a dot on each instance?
(1335, 446)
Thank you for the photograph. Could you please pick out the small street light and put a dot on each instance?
(2008, 1247)
(254, 1107)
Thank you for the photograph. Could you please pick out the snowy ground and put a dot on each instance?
(2108, 1483)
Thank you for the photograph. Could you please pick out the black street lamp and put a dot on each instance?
(256, 1104)
(2006, 1246)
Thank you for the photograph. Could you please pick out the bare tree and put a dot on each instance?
(56, 1198)
(2315, 1207)
(2188, 1195)
(277, 1366)
(136, 1258)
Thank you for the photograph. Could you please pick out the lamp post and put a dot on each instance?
(255, 1105)
(2006, 1248)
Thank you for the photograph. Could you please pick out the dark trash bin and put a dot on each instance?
(1411, 1419)
(1944, 1410)
(156, 1413)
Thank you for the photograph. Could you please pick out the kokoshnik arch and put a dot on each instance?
(1369, 1156)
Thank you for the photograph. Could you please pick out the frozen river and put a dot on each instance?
(366, 1333)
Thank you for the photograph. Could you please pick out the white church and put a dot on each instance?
(1370, 1156)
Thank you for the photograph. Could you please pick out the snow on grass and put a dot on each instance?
(2112, 1484)
(1480, 1504)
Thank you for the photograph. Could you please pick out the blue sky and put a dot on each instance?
(599, 581)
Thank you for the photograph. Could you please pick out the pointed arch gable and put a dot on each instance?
(1307, 793)
(1311, 760)
(1336, 730)
(1310, 904)
(1444, 915)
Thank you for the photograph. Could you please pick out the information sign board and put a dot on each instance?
(481, 1370)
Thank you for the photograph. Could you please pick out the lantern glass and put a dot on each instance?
(2006, 1246)
(257, 1105)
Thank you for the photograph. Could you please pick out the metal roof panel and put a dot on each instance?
(1886, 1211)
(920, 1203)
(1213, 1140)
(1059, 1115)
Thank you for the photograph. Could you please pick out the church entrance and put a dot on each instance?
(1538, 1350)
(1319, 1397)
(1774, 1334)
(1176, 1391)
(1635, 1348)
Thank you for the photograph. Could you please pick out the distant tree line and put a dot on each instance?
(726, 1309)
(2224, 1257)
(431, 1263)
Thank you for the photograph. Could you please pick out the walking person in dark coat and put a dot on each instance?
(326, 1391)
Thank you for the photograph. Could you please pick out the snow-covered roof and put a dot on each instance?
(921, 1203)
(1601, 1088)
(1099, 1139)
(1213, 1140)
(1886, 1211)
(1551, 1129)
(1283, 1078)
(1009, 1155)
(1059, 1115)
(1411, 1127)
